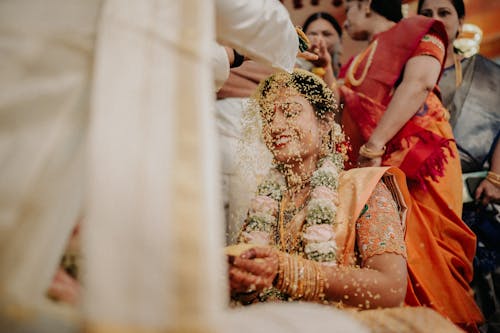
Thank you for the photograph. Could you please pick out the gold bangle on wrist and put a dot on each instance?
(300, 279)
(493, 178)
(370, 154)
(319, 71)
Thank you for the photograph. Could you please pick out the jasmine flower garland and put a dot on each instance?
(321, 210)
(318, 233)
(262, 219)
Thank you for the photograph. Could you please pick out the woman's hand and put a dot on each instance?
(318, 47)
(307, 56)
(253, 271)
(487, 193)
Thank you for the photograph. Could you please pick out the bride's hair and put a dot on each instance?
(310, 86)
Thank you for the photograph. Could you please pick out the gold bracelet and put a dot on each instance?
(300, 278)
(368, 153)
(493, 178)
(319, 71)
(494, 175)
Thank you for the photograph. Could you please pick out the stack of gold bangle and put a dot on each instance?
(493, 178)
(368, 153)
(300, 279)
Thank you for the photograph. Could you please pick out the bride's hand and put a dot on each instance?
(254, 270)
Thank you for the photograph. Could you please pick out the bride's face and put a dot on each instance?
(292, 131)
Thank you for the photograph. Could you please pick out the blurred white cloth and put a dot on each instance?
(244, 162)
(220, 65)
(259, 29)
(292, 317)
(106, 111)
(47, 51)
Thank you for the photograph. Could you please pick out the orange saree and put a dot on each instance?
(440, 246)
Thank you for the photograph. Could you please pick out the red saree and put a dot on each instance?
(440, 246)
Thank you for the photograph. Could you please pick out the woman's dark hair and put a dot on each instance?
(325, 16)
(390, 9)
(458, 4)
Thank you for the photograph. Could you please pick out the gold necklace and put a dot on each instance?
(288, 244)
(357, 61)
(281, 224)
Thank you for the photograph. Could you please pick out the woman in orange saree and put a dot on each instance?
(394, 117)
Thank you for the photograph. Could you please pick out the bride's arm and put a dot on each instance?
(381, 247)
(381, 282)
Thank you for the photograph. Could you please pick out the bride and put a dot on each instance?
(315, 232)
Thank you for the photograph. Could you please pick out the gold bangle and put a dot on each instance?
(494, 175)
(319, 71)
(300, 279)
(368, 153)
(493, 178)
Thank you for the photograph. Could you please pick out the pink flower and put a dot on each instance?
(318, 233)
(256, 237)
(323, 192)
(263, 204)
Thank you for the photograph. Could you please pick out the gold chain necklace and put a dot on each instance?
(281, 224)
(288, 244)
(357, 61)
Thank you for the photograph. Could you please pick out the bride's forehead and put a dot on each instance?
(282, 94)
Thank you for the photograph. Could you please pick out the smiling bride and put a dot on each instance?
(319, 233)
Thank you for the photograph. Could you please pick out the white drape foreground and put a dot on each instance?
(47, 51)
(152, 229)
(106, 114)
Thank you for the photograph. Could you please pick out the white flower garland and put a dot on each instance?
(262, 218)
(317, 233)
